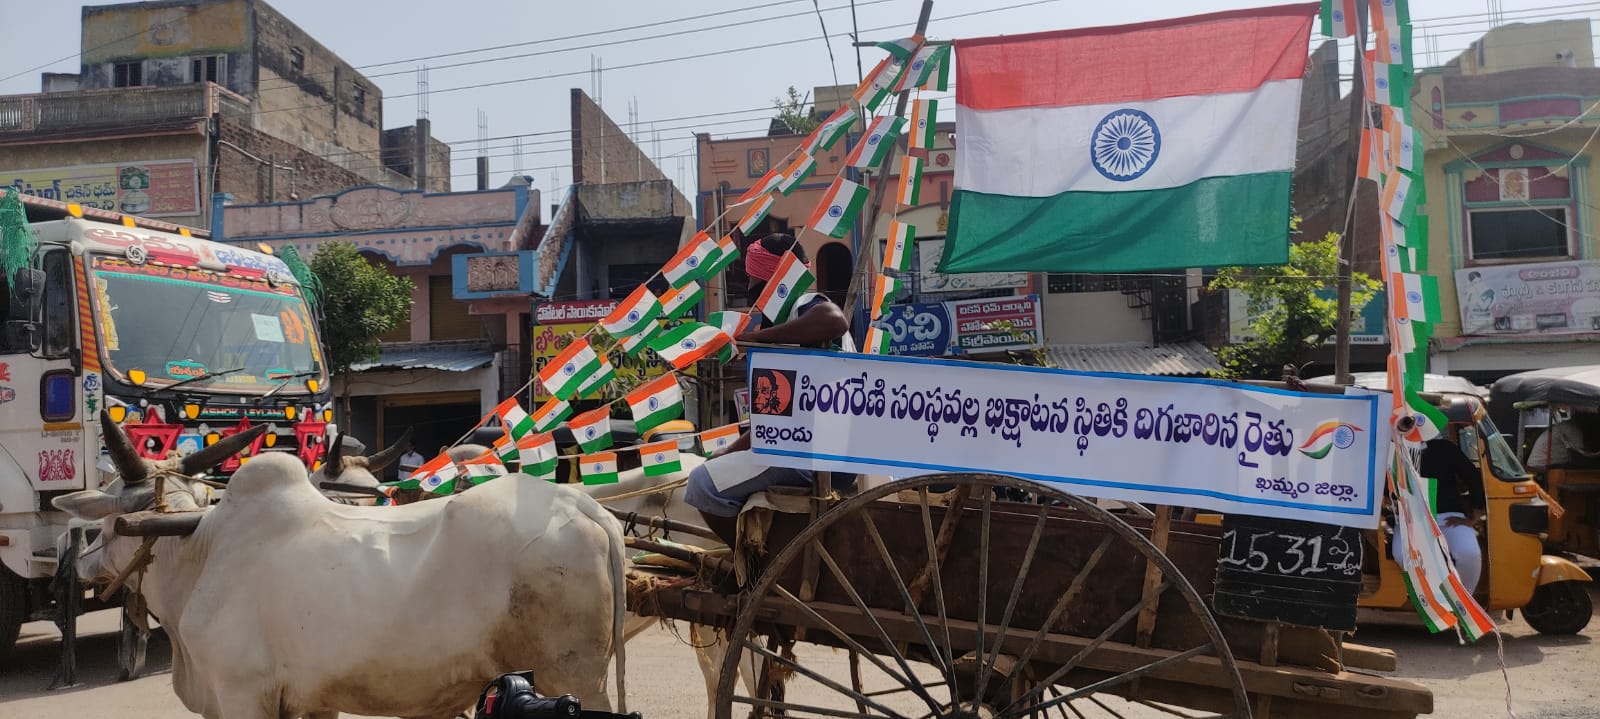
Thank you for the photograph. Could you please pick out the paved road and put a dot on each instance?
(1552, 677)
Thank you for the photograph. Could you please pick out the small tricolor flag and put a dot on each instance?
(550, 414)
(836, 213)
(902, 49)
(591, 387)
(570, 369)
(634, 315)
(677, 302)
(876, 86)
(1404, 151)
(757, 212)
(909, 187)
(482, 468)
(829, 132)
(717, 439)
(782, 294)
(1338, 18)
(506, 448)
(727, 252)
(875, 142)
(660, 458)
(435, 476)
(655, 402)
(1371, 157)
(884, 293)
(796, 172)
(897, 250)
(731, 323)
(935, 75)
(1387, 83)
(1397, 198)
(1416, 296)
(592, 429)
(689, 263)
(919, 69)
(517, 422)
(765, 185)
(537, 456)
(924, 124)
(877, 341)
(635, 343)
(1389, 16)
(598, 468)
(689, 343)
(1394, 47)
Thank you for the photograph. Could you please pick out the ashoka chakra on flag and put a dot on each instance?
(1126, 143)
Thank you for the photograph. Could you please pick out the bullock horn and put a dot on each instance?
(224, 448)
(158, 524)
(333, 462)
(129, 464)
(391, 453)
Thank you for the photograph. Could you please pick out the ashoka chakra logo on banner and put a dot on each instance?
(1125, 144)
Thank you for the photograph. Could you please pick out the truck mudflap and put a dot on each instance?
(1556, 569)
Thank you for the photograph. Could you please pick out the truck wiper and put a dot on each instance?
(208, 375)
(288, 379)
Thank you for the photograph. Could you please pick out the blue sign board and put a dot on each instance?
(917, 330)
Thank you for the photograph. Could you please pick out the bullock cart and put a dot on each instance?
(949, 601)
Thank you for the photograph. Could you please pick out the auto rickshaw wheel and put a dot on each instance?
(1559, 608)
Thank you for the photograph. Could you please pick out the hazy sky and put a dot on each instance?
(748, 52)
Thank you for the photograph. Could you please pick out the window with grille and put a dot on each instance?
(127, 74)
(1069, 282)
(206, 69)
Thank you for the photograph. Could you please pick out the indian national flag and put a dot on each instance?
(592, 429)
(1404, 152)
(1371, 154)
(436, 476)
(924, 124)
(506, 448)
(883, 294)
(897, 251)
(483, 468)
(689, 343)
(689, 264)
(1388, 16)
(1387, 83)
(1338, 18)
(715, 440)
(591, 387)
(837, 211)
(876, 87)
(1170, 144)
(1398, 198)
(633, 315)
(875, 142)
(829, 132)
(909, 188)
(768, 181)
(598, 468)
(937, 79)
(677, 302)
(796, 172)
(902, 49)
(783, 291)
(517, 422)
(1416, 296)
(655, 402)
(537, 455)
(550, 414)
(727, 252)
(924, 66)
(1394, 47)
(753, 216)
(660, 458)
(570, 369)
(633, 344)
(877, 341)
(731, 323)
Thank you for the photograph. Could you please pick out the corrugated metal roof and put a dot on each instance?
(1186, 358)
(452, 359)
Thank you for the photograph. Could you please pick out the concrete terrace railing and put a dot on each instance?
(64, 111)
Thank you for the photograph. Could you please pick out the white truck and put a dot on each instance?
(182, 340)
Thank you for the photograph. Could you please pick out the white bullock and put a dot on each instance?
(436, 598)
(355, 471)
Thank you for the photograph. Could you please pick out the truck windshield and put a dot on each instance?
(176, 324)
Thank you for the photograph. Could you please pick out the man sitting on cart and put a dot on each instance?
(720, 487)
(1561, 445)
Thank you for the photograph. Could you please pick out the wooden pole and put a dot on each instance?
(867, 258)
(1347, 245)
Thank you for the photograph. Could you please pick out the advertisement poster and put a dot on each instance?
(930, 279)
(995, 324)
(1163, 440)
(557, 323)
(1535, 298)
(156, 188)
(917, 330)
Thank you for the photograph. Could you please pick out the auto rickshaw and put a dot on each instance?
(1575, 487)
(1517, 575)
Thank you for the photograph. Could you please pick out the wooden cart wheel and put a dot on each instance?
(895, 603)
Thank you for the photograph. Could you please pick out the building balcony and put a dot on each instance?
(91, 112)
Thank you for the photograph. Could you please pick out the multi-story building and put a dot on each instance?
(181, 99)
(1510, 126)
